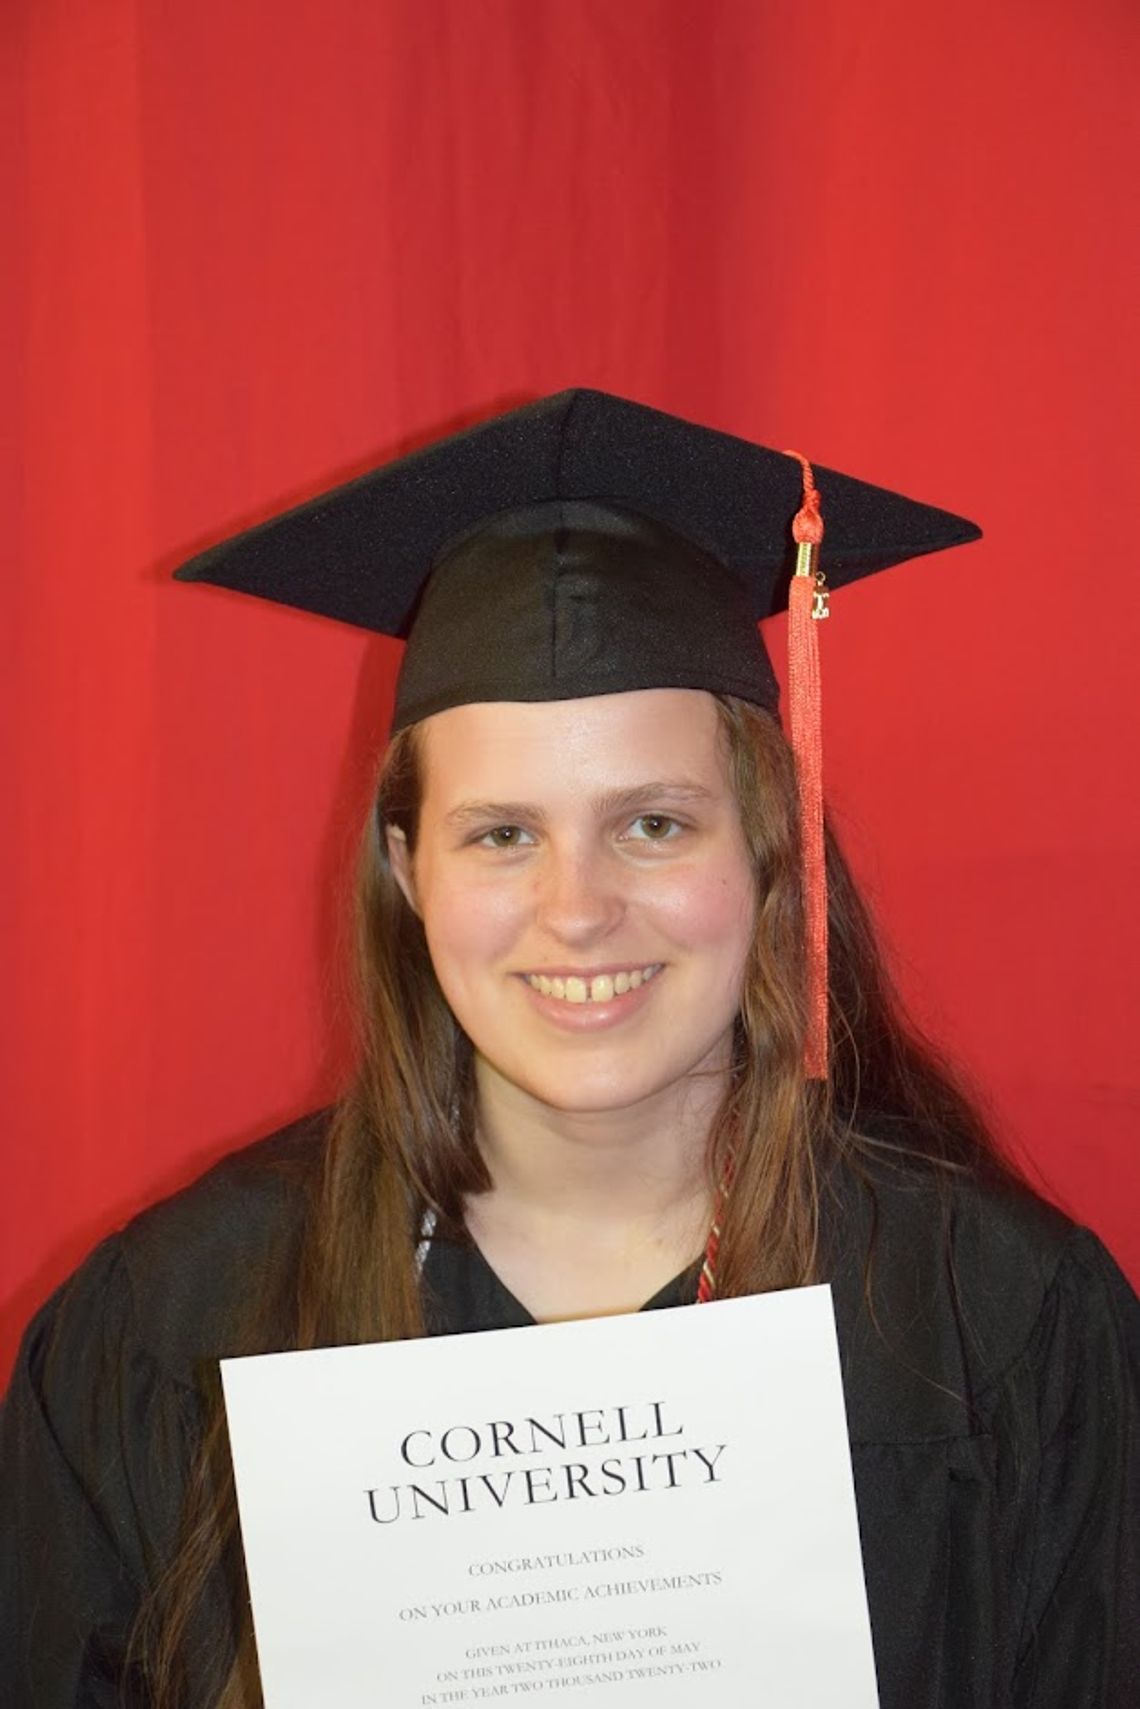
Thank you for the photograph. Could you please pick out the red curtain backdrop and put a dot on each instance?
(256, 246)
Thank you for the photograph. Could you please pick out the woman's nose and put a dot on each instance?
(578, 897)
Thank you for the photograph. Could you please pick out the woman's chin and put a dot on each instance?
(584, 1089)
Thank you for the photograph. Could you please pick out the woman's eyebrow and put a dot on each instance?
(661, 793)
(492, 812)
(676, 791)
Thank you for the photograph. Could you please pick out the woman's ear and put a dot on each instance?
(400, 860)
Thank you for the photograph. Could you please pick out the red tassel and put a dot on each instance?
(706, 1286)
(807, 603)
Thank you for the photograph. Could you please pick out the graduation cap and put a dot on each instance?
(586, 545)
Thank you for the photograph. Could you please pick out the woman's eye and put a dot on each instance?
(504, 837)
(654, 828)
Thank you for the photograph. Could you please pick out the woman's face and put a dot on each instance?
(585, 889)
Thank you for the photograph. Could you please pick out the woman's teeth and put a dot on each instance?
(603, 988)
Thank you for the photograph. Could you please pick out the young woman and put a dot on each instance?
(587, 954)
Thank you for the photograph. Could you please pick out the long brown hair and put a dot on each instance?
(402, 1141)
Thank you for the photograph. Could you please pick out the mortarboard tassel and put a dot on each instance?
(706, 1285)
(807, 601)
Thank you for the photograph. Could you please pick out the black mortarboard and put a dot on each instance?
(580, 545)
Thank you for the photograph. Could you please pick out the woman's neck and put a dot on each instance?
(592, 1211)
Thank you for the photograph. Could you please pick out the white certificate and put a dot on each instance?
(641, 1512)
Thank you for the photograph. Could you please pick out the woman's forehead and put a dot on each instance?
(610, 741)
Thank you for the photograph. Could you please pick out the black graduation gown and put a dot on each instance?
(993, 1409)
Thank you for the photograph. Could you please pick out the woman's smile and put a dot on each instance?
(600, 986)
(590, 1003)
